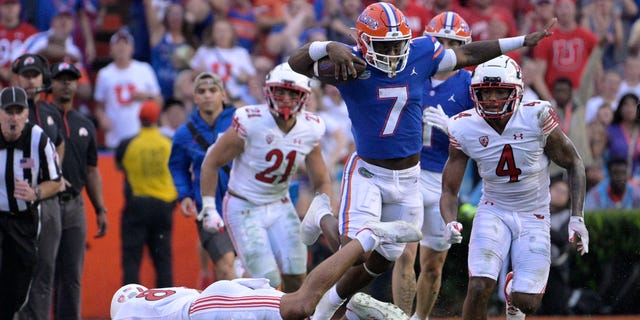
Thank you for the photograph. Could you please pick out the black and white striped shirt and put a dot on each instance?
(32, 158)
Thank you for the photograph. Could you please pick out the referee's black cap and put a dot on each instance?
(13, 96)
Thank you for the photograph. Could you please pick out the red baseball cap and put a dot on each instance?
(150, 112)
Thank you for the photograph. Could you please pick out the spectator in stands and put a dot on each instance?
(529, 72)
(597, 131)
(41, 13)
(615, 192)
(56, 43)
(489, 21)
(555, 58)
(605, 23)
(147, 217)
(222, 56)
(416, 13)
(14, 32)
(571, 120)
(440, 6)
(183, 89)
(299, 16)
(173, 116)
(166, 35)
(608, 89)
(242, 16)
(343, 21)
(630, 77)
(120, 89)
(623, 134)
(540, 16)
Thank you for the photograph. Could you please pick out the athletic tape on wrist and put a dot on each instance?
(510, 44)
(318, 50)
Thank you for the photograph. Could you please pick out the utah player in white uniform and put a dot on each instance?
(267, 143)
(512, 144)
(255, 299)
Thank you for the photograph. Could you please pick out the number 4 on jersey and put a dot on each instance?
(507, 165)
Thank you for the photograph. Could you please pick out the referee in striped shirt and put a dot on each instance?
(29, 172)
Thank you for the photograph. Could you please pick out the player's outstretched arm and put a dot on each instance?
(478, 52)
(451, 179)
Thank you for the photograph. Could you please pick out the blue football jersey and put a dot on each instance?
(386, 113)
(454, 96)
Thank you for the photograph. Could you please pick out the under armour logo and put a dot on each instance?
(452, 98)
(297, 141)
(516, 136)
(413, 71)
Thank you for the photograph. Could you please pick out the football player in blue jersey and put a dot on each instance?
(381, 180)
(445, 95)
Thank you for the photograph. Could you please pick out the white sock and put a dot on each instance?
(328, 305)
(415, 317)
(367, 239)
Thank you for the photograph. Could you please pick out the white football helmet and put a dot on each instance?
(383, 22)
(124, 294)
(498, 73)
(282, 76)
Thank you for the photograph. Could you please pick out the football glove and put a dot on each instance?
(453, 232)
(436, 117)
(211, 219)
(576, 226)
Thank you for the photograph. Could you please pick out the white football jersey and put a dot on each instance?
(263, 171)
(159, 304)
(512, 165)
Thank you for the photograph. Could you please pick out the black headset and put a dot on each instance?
(46, 70)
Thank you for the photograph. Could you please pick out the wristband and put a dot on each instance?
(318, 50)
(208, 202)
(510, 44)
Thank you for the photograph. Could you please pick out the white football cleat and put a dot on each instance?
(366, 307)
(309, 230)
(513, 313)
(394, 231)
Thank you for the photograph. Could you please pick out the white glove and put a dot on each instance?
(576, 225)
(211, 220)
(453, 232)
(436, 117)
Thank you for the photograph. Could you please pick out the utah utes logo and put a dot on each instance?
(484, 141)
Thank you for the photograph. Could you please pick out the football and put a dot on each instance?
(324, 70)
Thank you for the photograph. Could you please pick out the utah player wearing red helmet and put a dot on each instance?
(512, 143)
(267, 143)
(385, 104)
(444, 95)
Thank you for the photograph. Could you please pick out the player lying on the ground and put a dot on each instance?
(241, 297)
